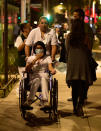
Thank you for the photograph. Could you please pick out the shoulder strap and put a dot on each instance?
(23, 37)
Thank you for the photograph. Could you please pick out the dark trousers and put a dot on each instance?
(78, 89)
(86, 92)
(63, 53)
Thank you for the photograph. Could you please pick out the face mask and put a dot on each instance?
(37, 51)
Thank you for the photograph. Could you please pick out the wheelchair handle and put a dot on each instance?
(49, 72)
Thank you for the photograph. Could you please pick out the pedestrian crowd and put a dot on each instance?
(37, 49)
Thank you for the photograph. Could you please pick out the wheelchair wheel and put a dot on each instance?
(51, 99)
(22, 97)
(54, 101)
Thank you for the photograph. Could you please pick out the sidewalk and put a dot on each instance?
(68, 121)
(11, 120)
(92, 120)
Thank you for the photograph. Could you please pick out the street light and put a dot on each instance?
(100, 1)
(48, 16)
(61, 3)
(94, 2)
(60, 7)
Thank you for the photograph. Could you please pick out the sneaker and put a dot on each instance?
(80, 111)
(26, 107)
(75, 112)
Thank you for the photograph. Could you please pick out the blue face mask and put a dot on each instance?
(37, 51)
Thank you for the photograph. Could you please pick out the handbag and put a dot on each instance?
(93, 66)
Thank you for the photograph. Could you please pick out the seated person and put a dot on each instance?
(37, 66)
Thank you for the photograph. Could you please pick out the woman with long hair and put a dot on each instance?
(78, 71)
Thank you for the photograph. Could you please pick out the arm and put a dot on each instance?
(54, 43)
(28, 43)
(21, 46)
(89, 34)
(29, 65)
(53, 52)
(88, 43)
(51, 69)
(27, 51)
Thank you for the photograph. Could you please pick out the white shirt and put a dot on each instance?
(40, 66)
(49, 38)
(18, 41)
(39, 69)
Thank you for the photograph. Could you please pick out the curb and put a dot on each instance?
(4, 91)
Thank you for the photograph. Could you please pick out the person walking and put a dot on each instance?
(46, 35)
(25, 28)
(78, 71)
(79, 14)
(57, 30)
(62, 37)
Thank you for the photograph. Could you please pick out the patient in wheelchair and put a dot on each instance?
(37, 66)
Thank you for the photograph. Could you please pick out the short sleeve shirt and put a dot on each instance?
(49, 38)
(18, 41)
(40, 66)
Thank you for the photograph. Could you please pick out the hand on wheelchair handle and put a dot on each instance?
(53, 72)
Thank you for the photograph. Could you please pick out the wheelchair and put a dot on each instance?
(53, 92)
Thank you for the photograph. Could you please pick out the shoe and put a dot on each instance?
(69, 99)
(75, 112)
(85, 102)
(26, 107)
(80, 111)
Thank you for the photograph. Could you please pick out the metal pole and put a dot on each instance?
(23, 10)
(89, 10)
(28, 10)
(44, 8)
(5, 42)
(47, 6)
